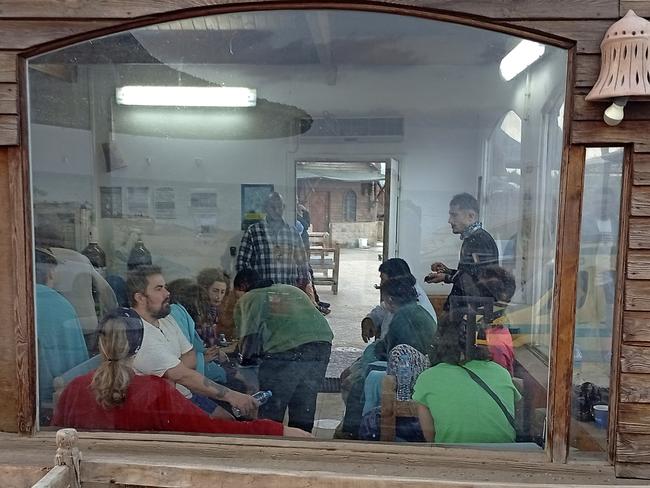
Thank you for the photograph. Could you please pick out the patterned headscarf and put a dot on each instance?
(417, 363)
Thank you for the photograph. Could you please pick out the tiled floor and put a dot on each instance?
(356, 297)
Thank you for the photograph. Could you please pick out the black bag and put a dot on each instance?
(584, 397)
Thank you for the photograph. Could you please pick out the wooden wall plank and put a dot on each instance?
(642, 169)
(640, 201)
(23, 296)
(584, 110)
(587, 34)
(632, 470)
(8, 98)
(636, 327)
(619, 304)
(587, 70)
(500, 9)
(8, 130)
(635, 359)
(597, 132)
(8, 390)
(635, 388)
(640, 7)
(7, 67)
(634, 418)
(23, 34)
(632, 448)
(637, 295)
(639, 234)
(638, 265)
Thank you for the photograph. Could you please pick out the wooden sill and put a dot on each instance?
(173, 459)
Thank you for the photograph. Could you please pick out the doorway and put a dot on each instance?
(352, 207)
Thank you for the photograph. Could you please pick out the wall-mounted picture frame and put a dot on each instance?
(164, 205)
(252, 203)
(111, 201)
(137, 201)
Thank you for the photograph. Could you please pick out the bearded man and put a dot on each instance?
(165, 352)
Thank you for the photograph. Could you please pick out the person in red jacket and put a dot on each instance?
(114, 398)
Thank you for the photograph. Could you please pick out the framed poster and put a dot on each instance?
(164, 203)
(111, 201)
(137, 201)
(252, 203)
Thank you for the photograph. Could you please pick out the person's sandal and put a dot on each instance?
(323, 310)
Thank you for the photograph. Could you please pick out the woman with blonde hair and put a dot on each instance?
(114, 398)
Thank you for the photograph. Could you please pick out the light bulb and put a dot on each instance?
(614, 113)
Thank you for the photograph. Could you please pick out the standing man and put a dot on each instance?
(281, 332)
(478, 249)
(274, 249)
(165, 352)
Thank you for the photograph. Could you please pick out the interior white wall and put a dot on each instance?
(444, 108)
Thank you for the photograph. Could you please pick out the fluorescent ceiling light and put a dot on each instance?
(187, 96)
(521, 57)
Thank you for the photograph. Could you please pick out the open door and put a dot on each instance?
(391, 213)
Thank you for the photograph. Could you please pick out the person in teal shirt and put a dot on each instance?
(453, 408)
(290, 341)
(61, 344)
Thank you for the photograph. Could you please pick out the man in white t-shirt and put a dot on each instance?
(165, 352)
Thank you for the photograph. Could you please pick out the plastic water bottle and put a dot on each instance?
(404, 377)
(222, 341)
(577, 363)
(261, 396)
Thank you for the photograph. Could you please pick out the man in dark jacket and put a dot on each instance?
(478, 250)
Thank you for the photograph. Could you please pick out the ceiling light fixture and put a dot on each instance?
(521, 57)
(186, 96)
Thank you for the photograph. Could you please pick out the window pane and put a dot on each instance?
(592, 354)
(163, 144)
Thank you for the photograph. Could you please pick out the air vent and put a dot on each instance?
(357, 129)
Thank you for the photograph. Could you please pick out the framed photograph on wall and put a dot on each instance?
(111, 201)
(252, 203)
(164, 203)
(137, 201)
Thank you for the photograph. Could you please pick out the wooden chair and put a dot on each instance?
(324, 260)
(391, 407)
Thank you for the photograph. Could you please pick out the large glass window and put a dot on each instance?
(592, 354)
(301, 148)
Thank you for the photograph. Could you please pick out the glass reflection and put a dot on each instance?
(592, 353)
(262, 230)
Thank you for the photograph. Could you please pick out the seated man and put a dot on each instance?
(377, 322)
(282, 332)
(166, 352)
(61, 344)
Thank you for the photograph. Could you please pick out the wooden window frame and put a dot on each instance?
(565, 273)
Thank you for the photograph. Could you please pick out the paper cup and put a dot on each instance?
(601, 414)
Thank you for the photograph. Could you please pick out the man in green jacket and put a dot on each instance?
(282, 332)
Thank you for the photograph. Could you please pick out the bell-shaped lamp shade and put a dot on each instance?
(624, 66)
